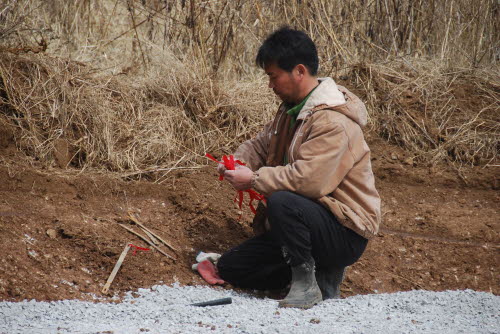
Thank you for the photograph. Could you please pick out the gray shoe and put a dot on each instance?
(329, 281)
(304, 291)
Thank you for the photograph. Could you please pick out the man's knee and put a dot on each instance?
(224, 265)
(279, 202)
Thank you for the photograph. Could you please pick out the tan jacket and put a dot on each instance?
(329, 160)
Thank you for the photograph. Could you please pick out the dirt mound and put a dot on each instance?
(60, 236)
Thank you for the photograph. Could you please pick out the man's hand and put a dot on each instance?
(241, 178)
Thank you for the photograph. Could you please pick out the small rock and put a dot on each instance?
(51, 233)
(314, 321)
(394, 156)
(33, 254)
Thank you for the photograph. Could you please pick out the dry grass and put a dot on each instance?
(224, 34)
(435, 112)
(145, 85)
(153, 123)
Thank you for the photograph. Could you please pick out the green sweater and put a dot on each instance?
(294, 111)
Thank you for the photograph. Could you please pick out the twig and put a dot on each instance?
(131, 11)
(134, 27)
(175, 166)
(392, 29)
(150, 236)
(158, 170)
(146, 240)
(135, 220)
(109, 20)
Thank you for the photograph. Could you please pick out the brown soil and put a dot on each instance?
(60, 237)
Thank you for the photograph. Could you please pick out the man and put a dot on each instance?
(313, 165)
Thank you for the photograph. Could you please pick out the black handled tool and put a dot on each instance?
(215, 302)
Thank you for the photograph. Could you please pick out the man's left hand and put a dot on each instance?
(240, 179)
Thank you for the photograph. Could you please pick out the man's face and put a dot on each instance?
(284, 84)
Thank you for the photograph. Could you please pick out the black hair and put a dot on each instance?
(287, 48)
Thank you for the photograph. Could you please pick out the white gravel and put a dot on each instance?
(164, 309)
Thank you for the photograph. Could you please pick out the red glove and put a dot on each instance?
(209, 273)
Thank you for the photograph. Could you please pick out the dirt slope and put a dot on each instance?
(60, 237)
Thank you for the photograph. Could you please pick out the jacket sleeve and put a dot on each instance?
(322, 163)
(253, 152)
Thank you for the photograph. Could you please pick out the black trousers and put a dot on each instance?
(304, 228)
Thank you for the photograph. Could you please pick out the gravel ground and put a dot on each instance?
(164, 309)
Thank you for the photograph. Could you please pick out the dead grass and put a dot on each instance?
(154, 123)
(435, 112)
(144, 86)
(224, 34)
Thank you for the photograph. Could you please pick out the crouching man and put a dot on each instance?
(313, 165)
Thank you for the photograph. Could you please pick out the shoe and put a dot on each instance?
(329, 282)
(304, 291)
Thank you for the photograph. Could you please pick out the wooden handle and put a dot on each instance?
(116, 268)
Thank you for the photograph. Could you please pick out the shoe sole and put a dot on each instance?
(283, 304)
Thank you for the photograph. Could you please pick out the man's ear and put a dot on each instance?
(302, 70)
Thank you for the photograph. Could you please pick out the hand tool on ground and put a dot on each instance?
(215, 302)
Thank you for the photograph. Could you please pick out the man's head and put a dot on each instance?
(290, 59)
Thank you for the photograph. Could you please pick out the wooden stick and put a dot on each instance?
(118, 264)
(135, 220)
(150, 236)
(146, 240)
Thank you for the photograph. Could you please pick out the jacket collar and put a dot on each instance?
(330, 96)
(325, 94)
